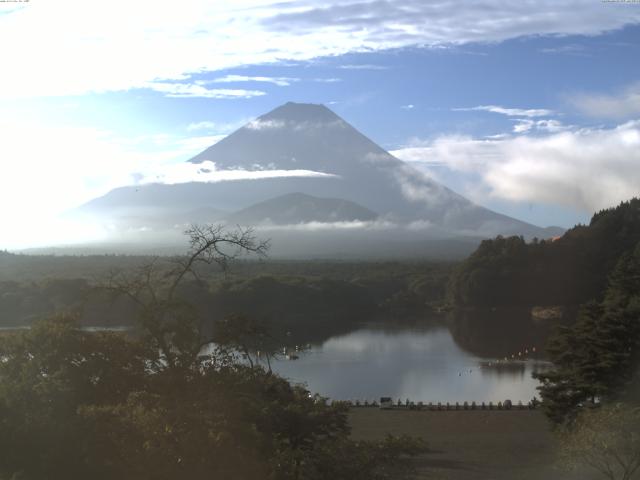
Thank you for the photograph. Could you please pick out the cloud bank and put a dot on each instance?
(510, 112)
(625, 104)
(587, 169)
(207, 172)
(192, 90)
(279, 81)
(89, 47)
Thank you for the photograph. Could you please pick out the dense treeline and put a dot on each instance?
(27, 268)
(569, 270)
(311, 306)
(157, 405)
(597, 359)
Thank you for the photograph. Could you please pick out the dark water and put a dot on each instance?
(422, 364)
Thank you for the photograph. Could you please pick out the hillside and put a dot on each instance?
(295, 208)
(569, 270)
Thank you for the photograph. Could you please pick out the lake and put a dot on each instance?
(420, 363)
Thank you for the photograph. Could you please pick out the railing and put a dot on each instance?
(442, 407)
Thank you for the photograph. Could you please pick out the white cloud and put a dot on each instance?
(548, 125)
(571, 49)
(327, 80)
(117, 46)
(511, 112)
(220, 128)
(49, 169)
(363, 66)
(551, 126)
(380, 224)
(206, 172)
(418, 186)
(625, 104)
(523, 126)
(204, 125)
(321, 226)
(588, 169)
(274, 124)
(192, 145)
(279, 81)
(191, 90)
(408, 107)
(259, 124)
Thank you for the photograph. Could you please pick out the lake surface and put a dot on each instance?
(422, 364)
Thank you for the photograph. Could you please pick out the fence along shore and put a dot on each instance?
(386, 403)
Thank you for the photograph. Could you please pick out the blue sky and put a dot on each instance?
(529, 108)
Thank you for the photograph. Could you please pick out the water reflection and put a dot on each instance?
(499, 333)
(422, 364)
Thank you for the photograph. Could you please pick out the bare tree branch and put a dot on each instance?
(168, 320)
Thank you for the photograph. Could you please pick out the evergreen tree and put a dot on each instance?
(596, 358)
(569, 270)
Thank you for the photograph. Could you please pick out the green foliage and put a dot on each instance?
(76, 404)
(491, 274)
(596, 358)
(570, 270)
(311, 300)
(46, 374)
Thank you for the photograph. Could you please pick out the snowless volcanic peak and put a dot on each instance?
(294, 136)
(312, 137)
(309, 137)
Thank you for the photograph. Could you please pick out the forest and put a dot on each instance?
(153, 404)
(311, 300)
(567, 271)
(149, 402)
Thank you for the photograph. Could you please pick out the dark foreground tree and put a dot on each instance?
(597, 358)
(76, 404)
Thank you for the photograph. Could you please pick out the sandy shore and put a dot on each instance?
(471, 445)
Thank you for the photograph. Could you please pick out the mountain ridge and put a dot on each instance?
(296, 208)
(310, 137)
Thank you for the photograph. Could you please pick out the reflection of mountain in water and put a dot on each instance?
(499, 333)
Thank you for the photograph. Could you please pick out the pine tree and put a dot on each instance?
(596, 358)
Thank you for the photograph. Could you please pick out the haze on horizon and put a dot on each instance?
(539, 121)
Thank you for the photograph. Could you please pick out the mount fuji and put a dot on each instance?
(307, 173)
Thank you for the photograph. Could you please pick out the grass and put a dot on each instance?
(471, 445)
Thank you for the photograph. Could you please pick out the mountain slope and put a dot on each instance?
(313, 138)
(295, 208)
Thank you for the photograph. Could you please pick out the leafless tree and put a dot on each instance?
(171, 323)
(606, 439)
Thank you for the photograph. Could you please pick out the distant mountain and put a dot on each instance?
(295, 208)
(306, 137)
